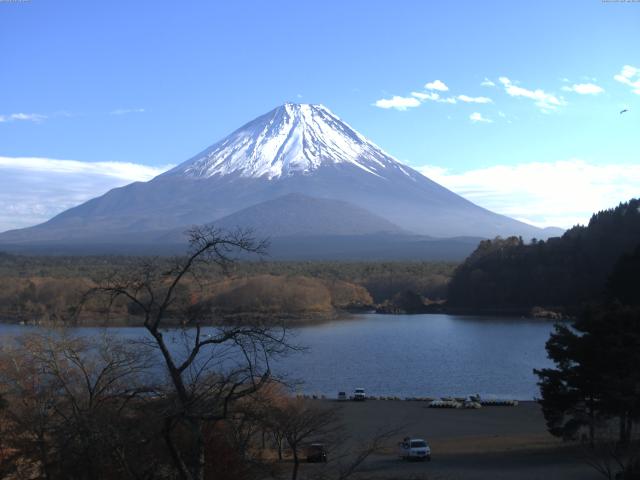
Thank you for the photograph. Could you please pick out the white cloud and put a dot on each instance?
(487, 83)
(29, 117)
(630, 76)
(584, 88)
(426, 96)
(468, 99)
(432, 96)
(436, 85)
(124, 111)
(397, 102)
(123, 170)
(477, 117)
(545, 101)
(33, 189)
(561, 193)
(416, 98)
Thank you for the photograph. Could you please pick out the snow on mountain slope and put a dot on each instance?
(291, 139)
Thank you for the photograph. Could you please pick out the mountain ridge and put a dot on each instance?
(296, 214)
(293, 149)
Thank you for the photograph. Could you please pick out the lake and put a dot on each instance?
(409, 355)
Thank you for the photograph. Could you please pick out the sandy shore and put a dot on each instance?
(492, 442)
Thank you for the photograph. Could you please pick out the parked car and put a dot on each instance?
(342, 396)
(414, 449)
(359, 394)
(316, 452)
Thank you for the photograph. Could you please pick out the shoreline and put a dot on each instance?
(287, 319)
(293, 320)
(525, 313)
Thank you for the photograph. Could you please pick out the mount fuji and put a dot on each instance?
(297, 172)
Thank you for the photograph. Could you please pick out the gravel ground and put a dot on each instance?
(489, 443)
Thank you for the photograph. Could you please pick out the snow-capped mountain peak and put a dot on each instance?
(290, 140)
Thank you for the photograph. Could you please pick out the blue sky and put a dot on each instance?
(124, 89)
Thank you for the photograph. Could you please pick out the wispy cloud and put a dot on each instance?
(33, 189)
(468, 99)
(630, 76)
(545, 101)
(426, 96)
(39, 117)
(433, 96)
(416, 98)
(477, 117)
(27, 117)
(124, 111)
(487, 83)
(561, 193)
(584, 88)
(123, 170)
(437, 85)
(398, 103)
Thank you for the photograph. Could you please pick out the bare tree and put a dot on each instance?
(266, 406)
(70, 408)
(300, 421)
(213, 369)
(352, 464)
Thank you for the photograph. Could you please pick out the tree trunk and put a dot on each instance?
(624, 430)
(198, 460)
(621, 425)
(278, 441)
(296, 463)
(175, 454)
(592, 427)
(44, 458)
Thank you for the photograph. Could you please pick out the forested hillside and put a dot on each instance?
(560, 272)
(49, 288)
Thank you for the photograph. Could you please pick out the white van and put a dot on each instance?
(359, 394)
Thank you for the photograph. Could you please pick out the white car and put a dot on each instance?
(359, 394)
(342, 396)
(414, 449)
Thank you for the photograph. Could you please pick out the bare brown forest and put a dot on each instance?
(45, 289)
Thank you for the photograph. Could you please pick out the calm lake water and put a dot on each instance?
(409, 355)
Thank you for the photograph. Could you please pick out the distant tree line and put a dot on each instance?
(560, 272)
